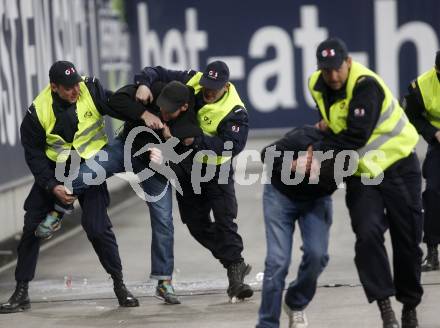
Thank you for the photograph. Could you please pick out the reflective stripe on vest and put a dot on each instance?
(89, 138)
(211, 115)
(429, 86)
(393, 134)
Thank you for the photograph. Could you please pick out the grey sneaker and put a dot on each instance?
(165, 291)
(48, 227)
(297, 318)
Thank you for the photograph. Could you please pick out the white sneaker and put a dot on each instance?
(297, 319)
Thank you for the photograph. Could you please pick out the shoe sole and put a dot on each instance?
(22, 308)
(247, 293)
(166, 302)
(430, 269)
(134, 304)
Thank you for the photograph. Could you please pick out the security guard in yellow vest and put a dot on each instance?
(422, 106)
(359, 113)
(66, 115)
(223, 118)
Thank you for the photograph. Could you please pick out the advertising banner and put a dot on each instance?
(269, 47)
(33, 35)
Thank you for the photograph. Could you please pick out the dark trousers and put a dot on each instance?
(94, 220)
(220, 235)
(394, 204)
(431, 195)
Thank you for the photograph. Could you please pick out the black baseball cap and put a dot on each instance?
(64, 73)
(173, 96)
(437, 60)
(331, 53)
(215, 76)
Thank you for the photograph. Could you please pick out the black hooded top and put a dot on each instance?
(184, 126)
(297, 140)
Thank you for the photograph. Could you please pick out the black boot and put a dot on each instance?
(237, 288)
(19, 301)
(409, 317)
(386, 311)
(125, 298)
(431, 262)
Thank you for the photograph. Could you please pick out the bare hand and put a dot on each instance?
(188, 141)
(152, 121)
(315, 169)
(437, 136)
(63, 194)
(144, 95)
(321, 125)
(303, 163)
(156, 155)
(166, 132)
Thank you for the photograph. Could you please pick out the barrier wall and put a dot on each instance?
(270, 48)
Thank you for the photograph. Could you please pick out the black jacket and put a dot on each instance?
(297, 140)
(234, 127)
(33, 136)
(184, 126)
(416, 111)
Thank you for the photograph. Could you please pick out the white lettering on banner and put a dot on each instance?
(43, 44)
(174, 47)
(198, 40)
(179, 50)
(114, 46)
(17, 115)
(33, 34)
(280, 68)
(9, 99)
(30, 65)
(69, 44)
(307, 37)
(148, 41)
(390, 38)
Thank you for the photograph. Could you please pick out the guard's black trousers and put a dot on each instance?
(431, 195)
(94, 220)
(395, 204)
(220, 235)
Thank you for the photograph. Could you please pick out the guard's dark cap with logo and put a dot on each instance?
(437, 61)
(174, 95)
(215, 76)
(331, 53)
(64, 73)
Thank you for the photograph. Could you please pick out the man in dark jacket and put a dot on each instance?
(224, 120)
(308, 203)
(66, 116)
(361, 115)
(422, 105)
(137, 149)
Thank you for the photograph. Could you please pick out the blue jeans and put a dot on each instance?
(280, 214)
(162, 241)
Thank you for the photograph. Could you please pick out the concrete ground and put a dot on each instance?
(72, 290)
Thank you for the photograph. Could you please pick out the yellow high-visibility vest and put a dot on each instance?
(429, 86)
(393, 134)
(89, 138)
(211, 115)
